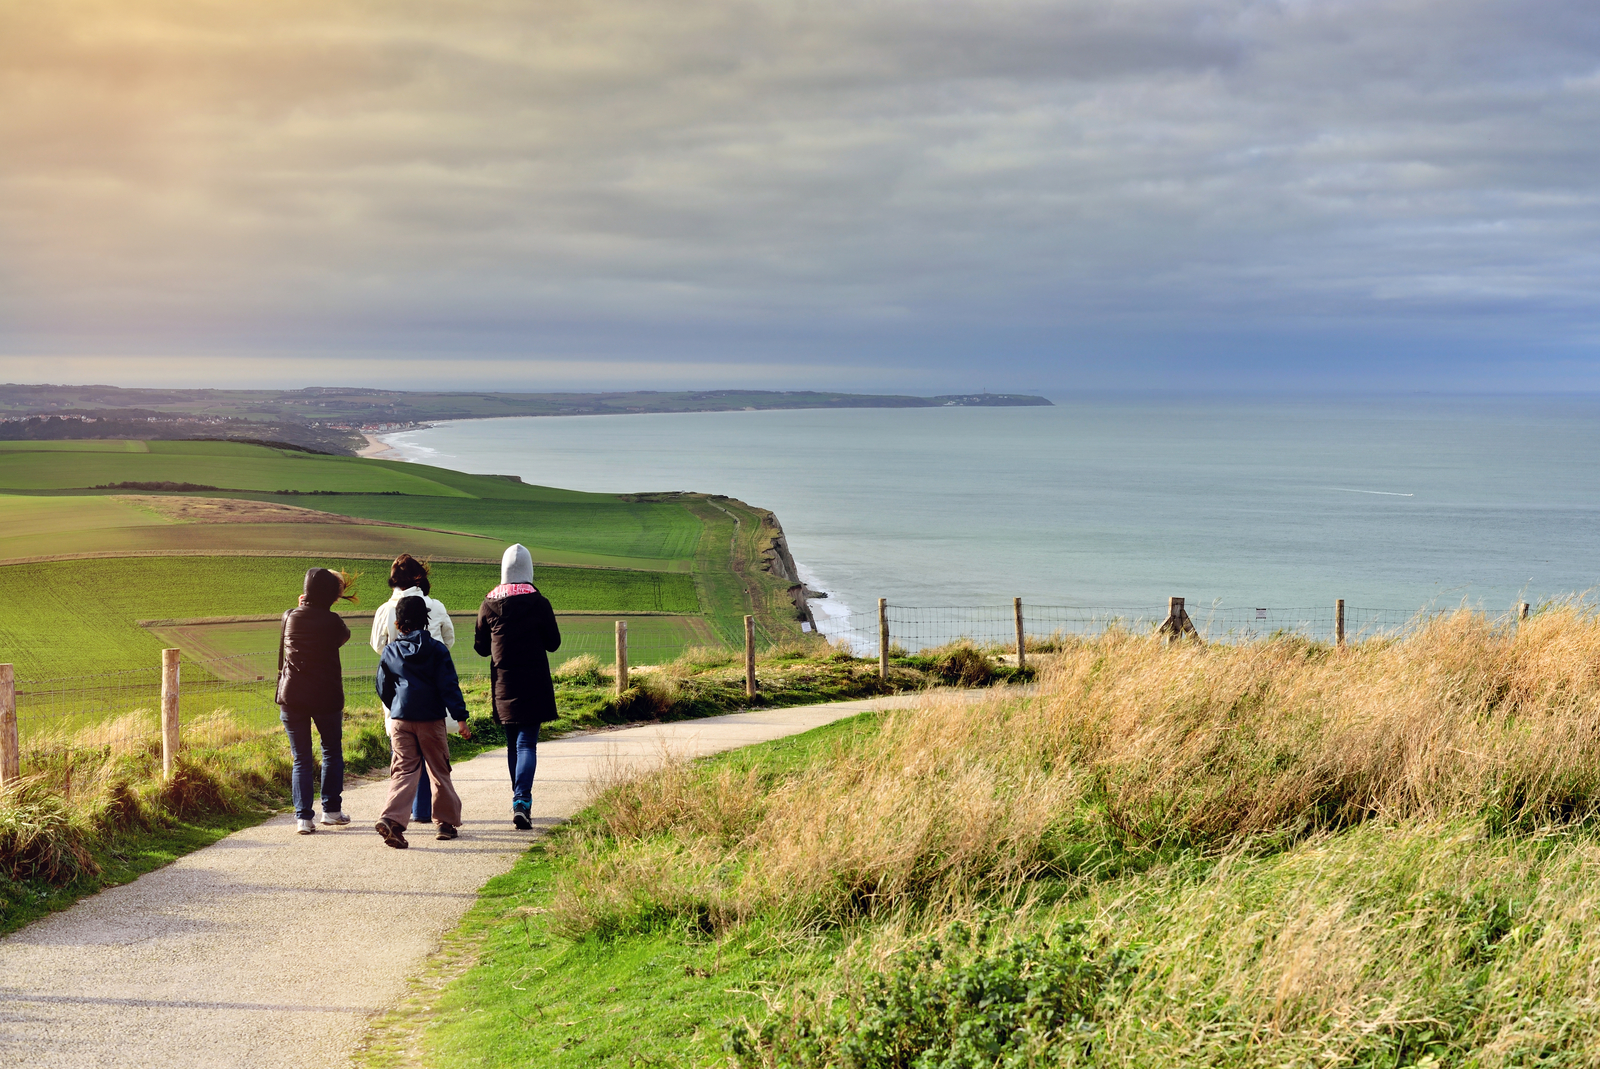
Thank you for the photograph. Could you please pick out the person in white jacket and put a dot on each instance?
(409, 579)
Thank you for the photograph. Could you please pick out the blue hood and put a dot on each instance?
(417, 679)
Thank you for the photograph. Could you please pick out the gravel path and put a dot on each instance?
(274, 949)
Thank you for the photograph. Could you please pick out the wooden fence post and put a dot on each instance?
(622, 656)
(1022, 642)
(10, 747)
(1522, 610)
(1177, 624)
(169, 711)
(749, 656)
(883, 638)
(1338, 622)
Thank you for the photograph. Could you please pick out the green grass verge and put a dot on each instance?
(508, 989)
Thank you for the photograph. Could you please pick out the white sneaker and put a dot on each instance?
(335, 819)
(304, 827)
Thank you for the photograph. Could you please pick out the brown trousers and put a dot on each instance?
(414, 742)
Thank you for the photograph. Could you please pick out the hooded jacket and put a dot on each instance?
(310, 678)
(417, 679)
(517, 631)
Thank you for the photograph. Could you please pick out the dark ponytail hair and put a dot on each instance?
(407, 571)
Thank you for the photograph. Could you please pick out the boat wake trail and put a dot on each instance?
(1381, 493)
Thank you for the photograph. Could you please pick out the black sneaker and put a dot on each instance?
(392, 834)
(446, 831)
(519, 818)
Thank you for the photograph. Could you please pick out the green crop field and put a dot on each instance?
(625, 530)
(44, 527)
(228, 465)
(67, 618)
(34, 524)
(110, 445)
(559, 526)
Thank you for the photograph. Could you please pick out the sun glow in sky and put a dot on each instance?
(908, 194)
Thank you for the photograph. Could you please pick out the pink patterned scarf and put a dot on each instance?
(506, 590)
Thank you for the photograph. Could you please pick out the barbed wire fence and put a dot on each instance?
(221, 699)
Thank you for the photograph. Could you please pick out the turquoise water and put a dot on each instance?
(1390, 502)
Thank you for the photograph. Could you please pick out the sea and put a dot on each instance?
(1112, 501)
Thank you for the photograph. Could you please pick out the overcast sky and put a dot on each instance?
(875, 194)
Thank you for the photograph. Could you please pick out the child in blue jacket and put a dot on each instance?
(418, 685)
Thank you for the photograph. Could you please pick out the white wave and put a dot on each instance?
(832, 615)
(1382, 493)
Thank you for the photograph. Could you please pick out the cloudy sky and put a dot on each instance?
(923, 195)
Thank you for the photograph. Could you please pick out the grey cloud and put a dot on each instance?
(908, 178)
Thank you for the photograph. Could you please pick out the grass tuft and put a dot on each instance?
(39, 839)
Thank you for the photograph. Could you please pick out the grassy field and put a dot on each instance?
(1271, 854)
(66, 618)
(559, 526)
(193, 553)
(635, 531)
(225, 465)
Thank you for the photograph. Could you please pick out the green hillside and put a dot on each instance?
(223, 465)
(87, 563)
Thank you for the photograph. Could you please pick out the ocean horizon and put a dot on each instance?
(1398, 502)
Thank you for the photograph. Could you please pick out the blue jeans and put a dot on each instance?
(422, 805)
(331, 727)
(522, 741)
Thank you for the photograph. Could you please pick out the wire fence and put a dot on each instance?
(918, 628)
(220, 696)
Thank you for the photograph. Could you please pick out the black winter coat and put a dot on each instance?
(516, 634)
(310, 679)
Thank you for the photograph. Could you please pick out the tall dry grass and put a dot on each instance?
(1129, 748)
(83, 790)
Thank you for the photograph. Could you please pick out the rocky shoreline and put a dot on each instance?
(777, 559)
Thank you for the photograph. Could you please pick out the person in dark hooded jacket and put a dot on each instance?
(311, 691)
(418, 685)
(517, 631)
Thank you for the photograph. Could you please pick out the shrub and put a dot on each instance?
(583, 670)
(703, 658)
(193, 790)
(943, 1005)
(963, 666)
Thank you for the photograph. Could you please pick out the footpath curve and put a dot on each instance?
(274, 949)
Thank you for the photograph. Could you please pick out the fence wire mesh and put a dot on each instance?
(918, 628)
